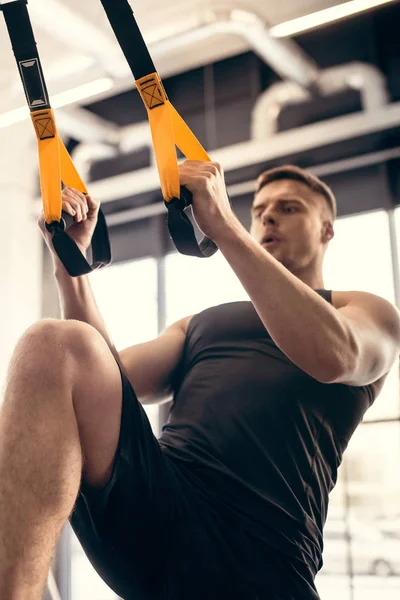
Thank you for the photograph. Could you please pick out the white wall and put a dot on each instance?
(20, 239)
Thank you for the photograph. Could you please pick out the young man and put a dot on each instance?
(231, 501)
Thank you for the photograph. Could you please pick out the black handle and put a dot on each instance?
(68, 219)
(69, 253)
(182, 231)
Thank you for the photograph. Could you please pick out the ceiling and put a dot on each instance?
(76, 44)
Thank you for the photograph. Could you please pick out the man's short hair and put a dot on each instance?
(297, 174)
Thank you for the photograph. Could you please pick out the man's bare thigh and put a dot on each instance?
(97, 399)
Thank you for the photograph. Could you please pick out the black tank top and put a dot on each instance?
(263, 437)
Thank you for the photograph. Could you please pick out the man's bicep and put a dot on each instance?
(375, 327)
(151, 366)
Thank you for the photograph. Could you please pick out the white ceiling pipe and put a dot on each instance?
(125, 140)
(84, 125)
(357, 75)
(287, 58)
(136, 137)
(79, 34)
(265, 114)
(85, 154)
(365, 77)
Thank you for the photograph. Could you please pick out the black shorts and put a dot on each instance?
(149, 533)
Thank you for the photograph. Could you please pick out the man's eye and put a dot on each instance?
(291, 208)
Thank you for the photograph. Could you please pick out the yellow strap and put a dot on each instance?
(69, 175)
(168, 130)
(49, 162)
(185, 139)
(55, 163)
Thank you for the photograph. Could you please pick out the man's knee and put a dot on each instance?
(53, 341)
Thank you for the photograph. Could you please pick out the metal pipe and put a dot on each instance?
(85, 154)
(356, 75)
(287, 58)
(79, 34)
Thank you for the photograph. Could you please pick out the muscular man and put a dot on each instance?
(230, 502)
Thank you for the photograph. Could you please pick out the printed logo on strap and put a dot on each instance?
(152, 91)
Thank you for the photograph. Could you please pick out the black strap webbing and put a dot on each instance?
(128, 34)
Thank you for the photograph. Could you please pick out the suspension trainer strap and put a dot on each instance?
(56, 166)
(168, 129)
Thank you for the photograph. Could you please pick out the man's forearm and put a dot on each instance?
(78, 302)
(309, 330)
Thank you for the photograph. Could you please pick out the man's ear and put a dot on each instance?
(327, 232)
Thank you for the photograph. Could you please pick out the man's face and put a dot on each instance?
(294, 215)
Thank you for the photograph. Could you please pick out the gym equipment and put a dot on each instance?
(168, 129)
(56, 165)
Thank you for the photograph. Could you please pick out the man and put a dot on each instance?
(231, 501)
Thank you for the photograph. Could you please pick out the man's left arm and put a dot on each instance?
(356, 344)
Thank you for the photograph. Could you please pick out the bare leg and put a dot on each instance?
(41, 451)
(40, 468)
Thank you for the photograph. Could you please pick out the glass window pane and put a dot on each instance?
(387, 405)
(126, 295)
(397, 227)
(333, 587)
(86, 584)
(195, 284)
(333, 579)
(359, 256)
(367, 542)
(127, 298)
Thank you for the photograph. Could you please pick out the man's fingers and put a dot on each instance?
(92, 203)
(84, 204)
(77, 201)
(68, 208)
(76, 195)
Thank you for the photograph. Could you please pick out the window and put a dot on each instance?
(359, 258)
(127, 298)
(195, 284)
(362, 533)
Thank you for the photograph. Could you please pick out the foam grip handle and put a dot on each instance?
(68, 219)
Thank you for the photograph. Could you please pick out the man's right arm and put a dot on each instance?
(149, 366)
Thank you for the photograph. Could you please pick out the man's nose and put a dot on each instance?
(268, 217)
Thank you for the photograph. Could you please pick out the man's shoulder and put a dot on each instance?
(343, 298)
